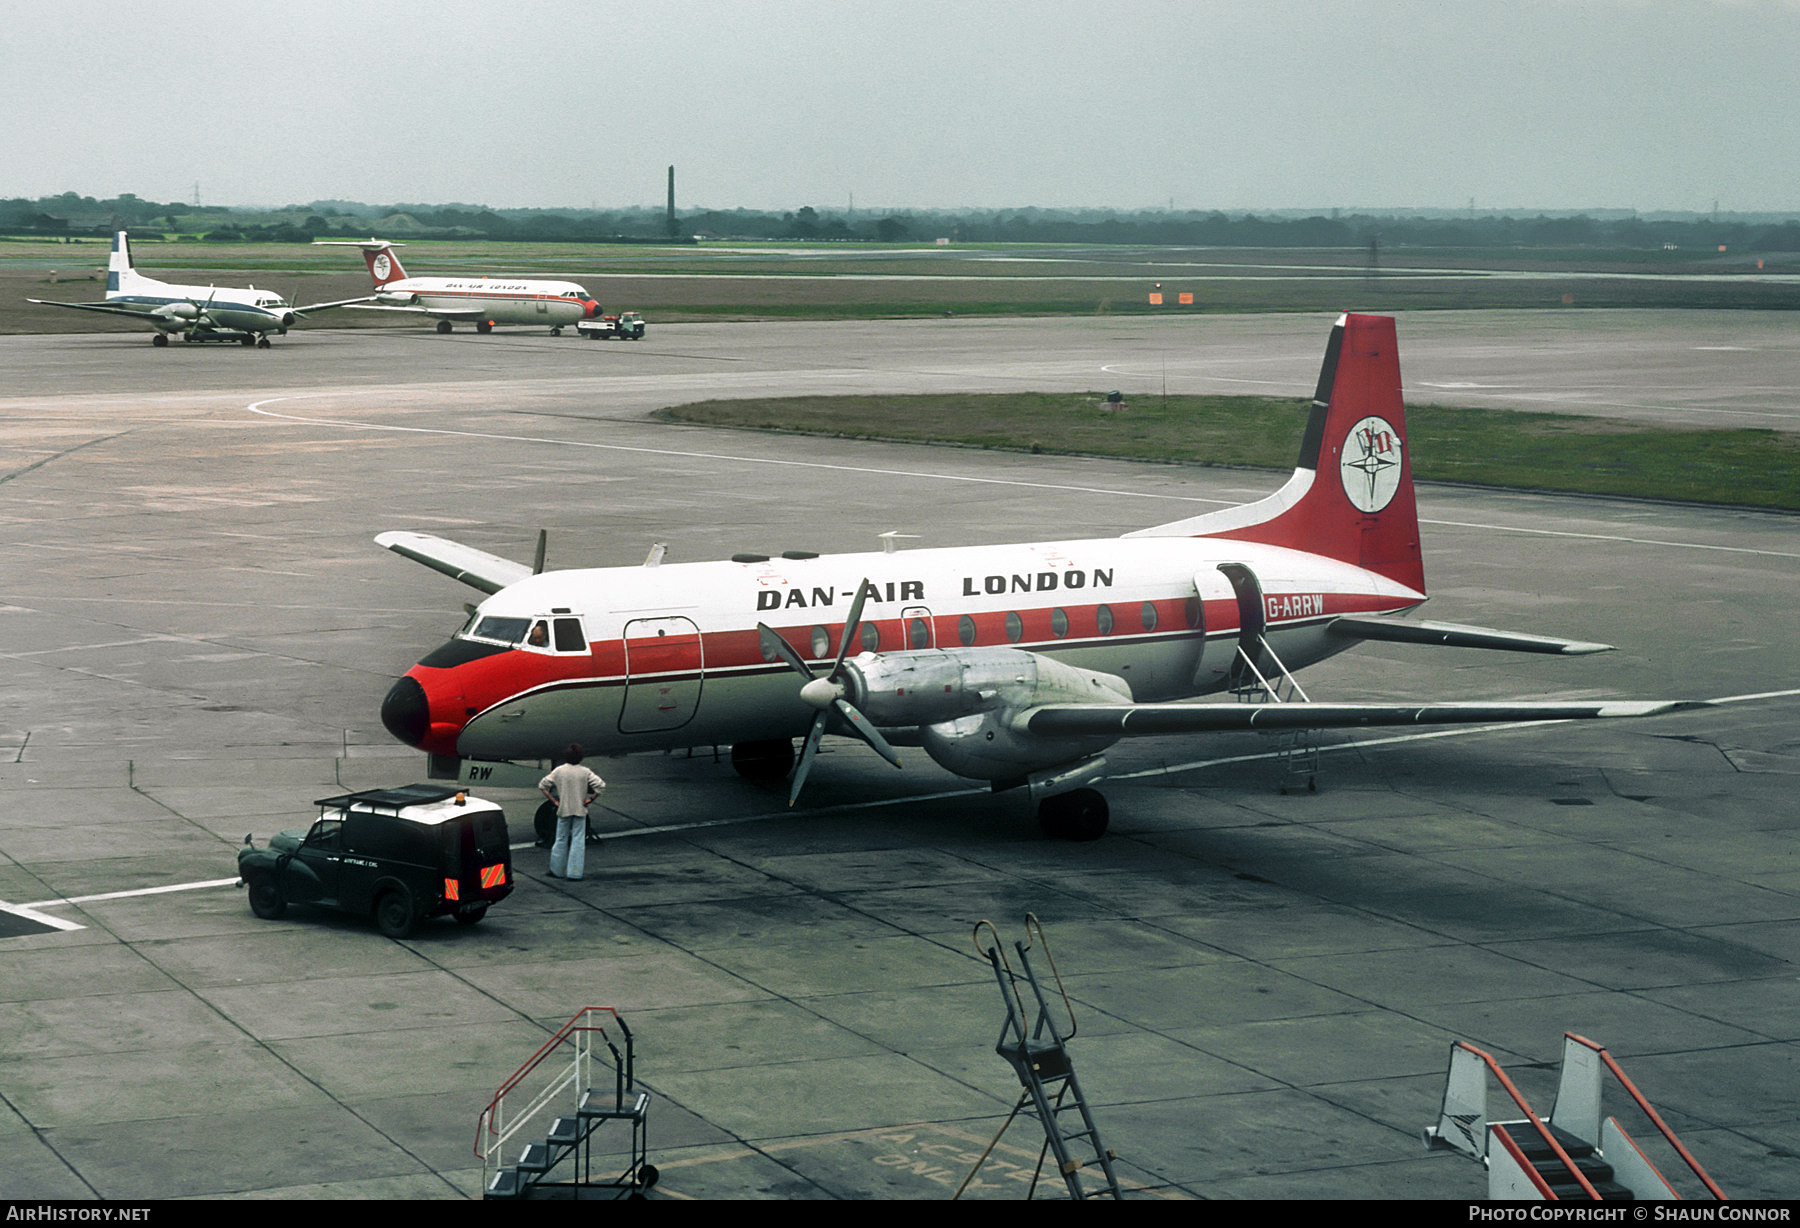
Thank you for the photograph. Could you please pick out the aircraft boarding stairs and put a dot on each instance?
(564, 1069)
(1039, 1056)
(1251, 685)
(1572, 1156)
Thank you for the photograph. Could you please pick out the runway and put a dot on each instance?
(198, 630)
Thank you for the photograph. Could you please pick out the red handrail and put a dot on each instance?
(485, 1120)
(1655, 1117)
(1524, 1108)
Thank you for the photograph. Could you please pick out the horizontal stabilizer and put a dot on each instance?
(477, 568)
(1454, 635)
(1143, 720)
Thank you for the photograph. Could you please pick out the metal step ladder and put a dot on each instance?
(1299, 757)
(1573, 1155)
(564, 1066)
(1039, 1056)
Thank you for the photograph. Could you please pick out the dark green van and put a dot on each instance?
(399, 855)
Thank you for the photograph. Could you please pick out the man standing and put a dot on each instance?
(573, 788)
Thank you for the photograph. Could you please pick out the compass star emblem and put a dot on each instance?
(382, 267)
(1369, 463)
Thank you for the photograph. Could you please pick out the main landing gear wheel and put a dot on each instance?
(443, 326)
(160, 340)
(247, 341)
(763, 761)
(1079, 815)
(556, 332)
(485, 326)
(262, 343)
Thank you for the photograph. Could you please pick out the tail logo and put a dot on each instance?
(1369, 464)
(381, 266)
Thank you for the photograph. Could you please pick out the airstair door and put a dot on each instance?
(1252, 621)
(664, 672)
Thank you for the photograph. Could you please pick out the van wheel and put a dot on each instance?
(266, 898)
(543, 825)
(395, 914)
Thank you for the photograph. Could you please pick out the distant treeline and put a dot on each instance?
(70, 215)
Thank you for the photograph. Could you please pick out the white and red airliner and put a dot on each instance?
(481, 301)
(1017, 665)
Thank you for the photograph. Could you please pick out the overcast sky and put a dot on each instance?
(1228, 104)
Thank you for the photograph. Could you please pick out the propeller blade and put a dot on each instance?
(807, 750)
(852, 625)
(866, 731)
(537, 563)
(775, 646)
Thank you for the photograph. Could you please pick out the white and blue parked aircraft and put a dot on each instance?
(197, 313)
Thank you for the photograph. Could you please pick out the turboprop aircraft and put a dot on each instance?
(1016, 665)
(196, 313)
(481, 301)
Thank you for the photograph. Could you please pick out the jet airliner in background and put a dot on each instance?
(481, 301)
(1016, 665)
(195, 313)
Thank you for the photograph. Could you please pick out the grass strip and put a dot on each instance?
(1483, 447)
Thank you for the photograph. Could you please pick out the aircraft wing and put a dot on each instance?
(477, 568)
(343, 302)
(108, 308)
(437, 313)
(1141, 720)
(1455, 635)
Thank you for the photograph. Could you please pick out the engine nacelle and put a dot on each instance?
(177, 311)
(962, 701)
(396, 299)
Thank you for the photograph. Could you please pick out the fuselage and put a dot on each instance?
(178, 308)
(631, 658)
(501, 300)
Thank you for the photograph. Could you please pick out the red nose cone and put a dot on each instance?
(592, 308)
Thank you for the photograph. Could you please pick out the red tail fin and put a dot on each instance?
(384, 265)
(1351, 496)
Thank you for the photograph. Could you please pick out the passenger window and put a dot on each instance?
(1148, 614)
(1015, 626)
(965, 630)
(919, 633)
(325, 835)
(821, 642)
(1196, 614)
(1059, 622)
(1103, 618)
(871, 637)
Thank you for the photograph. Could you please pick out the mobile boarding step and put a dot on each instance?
(1251, 684)
(1573, 1155)
(1038, 1054)
(568, 1072)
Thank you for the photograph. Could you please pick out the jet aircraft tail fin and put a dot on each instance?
(1351, 495)
(378, 254)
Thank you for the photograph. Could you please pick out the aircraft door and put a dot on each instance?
(664, 671)
(1252, 621)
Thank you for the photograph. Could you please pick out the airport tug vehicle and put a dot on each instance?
(399, 855)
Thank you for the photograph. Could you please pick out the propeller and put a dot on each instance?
(826, 693)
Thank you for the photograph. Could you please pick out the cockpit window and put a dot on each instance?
(504, 630)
